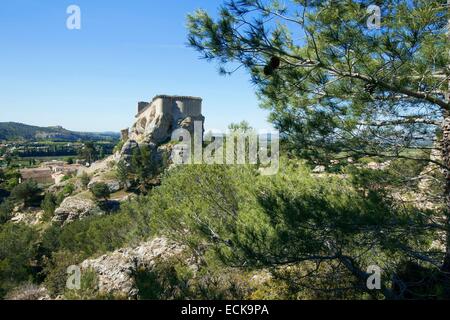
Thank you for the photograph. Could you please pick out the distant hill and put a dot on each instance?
(13, 131)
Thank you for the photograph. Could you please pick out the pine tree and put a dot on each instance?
(337, 83)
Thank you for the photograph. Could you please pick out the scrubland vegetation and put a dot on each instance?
(314, 234)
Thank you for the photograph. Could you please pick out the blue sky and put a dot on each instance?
(126, 51)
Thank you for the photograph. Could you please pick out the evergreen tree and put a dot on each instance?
(334, 85)
(85, 179)
(49, 205)
(26, 192)
(89, 152)
(122, 172)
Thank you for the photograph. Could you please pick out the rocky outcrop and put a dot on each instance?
(128, 147)
(30, 216)
(114, 270)
(76, 208)
(113, 185)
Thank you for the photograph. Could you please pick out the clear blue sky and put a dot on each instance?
(127, 51)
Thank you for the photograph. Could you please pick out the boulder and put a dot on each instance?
(75, 208)
(319, 169)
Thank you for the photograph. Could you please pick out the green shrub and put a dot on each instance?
(291, 218)
(101, 191)
(10, 179)
(100, 234)
(68, 189)
(49, 205)
(56, 271)
(85, 179)
(6, 208)
(173, 279)
(64, 193)
(27, 192)
(17, 250)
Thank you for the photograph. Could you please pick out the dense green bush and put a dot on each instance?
(49, 205)
(27, 192)
(99, 234)
(173, 279)
(6, 208)
(56, 271)
(10, 179)
(17, 249)
(292, 218)
(85, 179)
(101, 191)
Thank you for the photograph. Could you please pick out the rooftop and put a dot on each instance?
(35, 173)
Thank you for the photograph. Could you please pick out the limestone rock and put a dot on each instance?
(114, 269)
(378, 166)
(319, 169)
(128, 147)
(113, 185)
(101, 166)
(75, 208)
(29, 292)
(30, 216)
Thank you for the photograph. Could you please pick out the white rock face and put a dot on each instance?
(75, 208)
(379, 166)
(319, 169)
(114, 269)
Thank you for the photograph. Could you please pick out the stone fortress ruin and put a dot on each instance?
(156, 120)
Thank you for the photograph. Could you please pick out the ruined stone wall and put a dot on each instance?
(184, 106)
(142, 106)
(157, 119)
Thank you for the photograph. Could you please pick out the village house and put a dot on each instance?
(61, 167)
(38, 175)
(49, 173)
(53, 165)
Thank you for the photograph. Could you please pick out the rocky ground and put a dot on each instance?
(114, 270)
